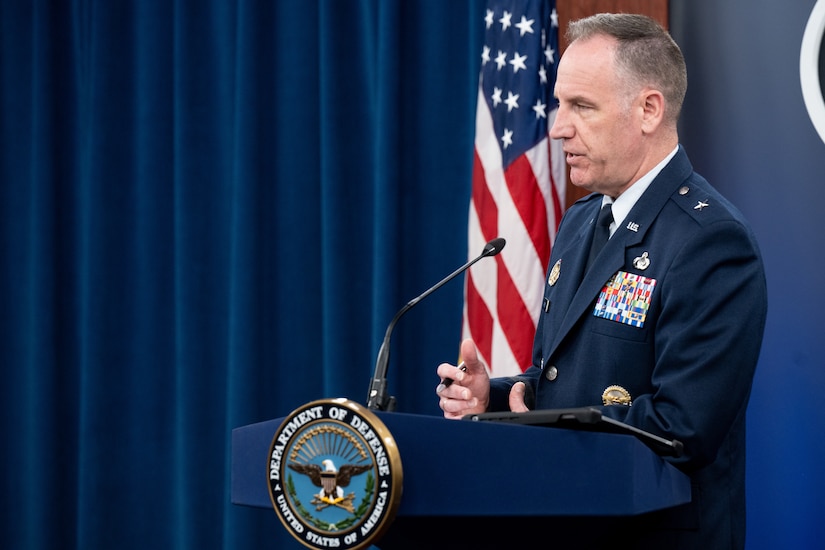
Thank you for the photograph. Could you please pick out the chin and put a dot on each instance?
(581, 183)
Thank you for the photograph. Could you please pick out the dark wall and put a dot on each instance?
(746, 128)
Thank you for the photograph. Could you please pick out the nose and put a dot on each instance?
(561, 128)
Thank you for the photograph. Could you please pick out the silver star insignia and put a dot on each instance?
(700, 205)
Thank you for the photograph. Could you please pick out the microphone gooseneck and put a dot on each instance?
(377, 398)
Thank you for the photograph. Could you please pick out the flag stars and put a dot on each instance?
(488, 19)
(507, 138)
(501, 59)
(525, 26)
(496, 96)
(514, 94)
(518, 62)
(540, 109)
(505, 20)
(511, 102)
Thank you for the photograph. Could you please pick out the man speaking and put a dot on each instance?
(655, 299)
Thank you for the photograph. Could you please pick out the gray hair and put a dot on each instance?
(646, 54)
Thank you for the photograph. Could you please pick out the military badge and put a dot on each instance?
(616, 395)
(554, 273)
(335, 477)
(641, 262)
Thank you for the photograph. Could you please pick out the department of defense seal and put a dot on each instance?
(335, 477)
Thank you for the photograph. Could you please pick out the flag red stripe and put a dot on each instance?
(485, 204)
(514, 319)
(556, 202)
(482, 327)
(526, 195)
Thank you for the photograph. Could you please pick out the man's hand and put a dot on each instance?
(469, 391)
(517, 397)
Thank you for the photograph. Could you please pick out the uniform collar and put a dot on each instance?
(625, 202)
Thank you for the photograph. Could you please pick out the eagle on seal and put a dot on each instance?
(329, 478)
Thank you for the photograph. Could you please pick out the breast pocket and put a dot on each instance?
(614, 329)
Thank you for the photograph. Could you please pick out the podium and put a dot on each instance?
(497, 485)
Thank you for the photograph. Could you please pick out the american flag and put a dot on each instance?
(518, 181)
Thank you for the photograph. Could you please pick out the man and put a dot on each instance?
(663, 331)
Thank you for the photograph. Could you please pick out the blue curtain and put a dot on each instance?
(211, 209)
(209, 212)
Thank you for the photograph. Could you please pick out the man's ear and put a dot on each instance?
(652, 103)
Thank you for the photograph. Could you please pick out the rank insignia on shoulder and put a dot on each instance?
(616, 395)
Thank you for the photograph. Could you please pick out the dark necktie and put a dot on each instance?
(601, 233)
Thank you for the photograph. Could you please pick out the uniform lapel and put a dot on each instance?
(633, 229)
(573, 259)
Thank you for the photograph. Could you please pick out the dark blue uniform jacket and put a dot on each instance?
(673, 313)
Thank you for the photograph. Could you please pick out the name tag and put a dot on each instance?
(625, 299)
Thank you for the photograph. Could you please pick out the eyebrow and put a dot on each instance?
(578, 98)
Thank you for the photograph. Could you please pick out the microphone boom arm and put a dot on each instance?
(377, 399)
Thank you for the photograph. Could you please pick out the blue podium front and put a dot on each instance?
(487, 483)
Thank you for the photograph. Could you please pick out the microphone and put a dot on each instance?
(377, 398)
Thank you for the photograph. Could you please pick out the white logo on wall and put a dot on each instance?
(809, 62)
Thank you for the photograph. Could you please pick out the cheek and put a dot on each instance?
(599, 144)
(616, 143)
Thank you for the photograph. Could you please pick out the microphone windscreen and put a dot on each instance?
(493, 247)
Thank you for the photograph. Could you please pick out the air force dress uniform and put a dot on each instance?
(663, 332)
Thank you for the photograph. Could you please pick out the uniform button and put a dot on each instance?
(684, 190)
(552, 373)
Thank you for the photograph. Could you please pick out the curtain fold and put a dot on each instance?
(209, 212)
